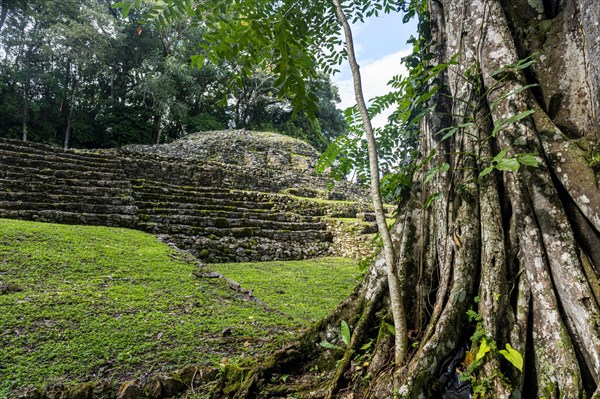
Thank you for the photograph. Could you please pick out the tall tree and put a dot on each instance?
(500, 231)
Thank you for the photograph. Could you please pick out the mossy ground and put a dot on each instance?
(86, 302)
(306, 290)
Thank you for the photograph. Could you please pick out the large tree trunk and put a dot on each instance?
(25, 118)
(4, 5)
(522, 249)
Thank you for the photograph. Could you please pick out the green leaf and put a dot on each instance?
(453, 129)
(197, 60)
(328, 345)
(508, 164)
(345, 333)
(444, 167)
(519, 116)
(527, 159)
(515, 118)
(366, 346)
(390, 328)
(500, 155)
(473, 315)
(432, 198)
(486, 171)
(498, 127)
(124, 6)
(513, 356)
(483, 349)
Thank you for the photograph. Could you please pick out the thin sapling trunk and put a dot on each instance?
(395, 288)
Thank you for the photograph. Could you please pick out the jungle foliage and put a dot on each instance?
(79, 74)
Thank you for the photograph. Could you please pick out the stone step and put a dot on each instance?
(49, 188)
(187, 230)
(63, 173)
(155, 186)
(244, 249)
(149, 201)
(230, 212)
(176, 208)
(222, 222)
(15, 157)
(74, 156)
(27, 197)
(52, 216)
(70, 207)
(50, 162)
(188, 196)
(35, 177)
(149, 207)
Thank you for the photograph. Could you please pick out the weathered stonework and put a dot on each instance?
(240, 159)
(225, 196)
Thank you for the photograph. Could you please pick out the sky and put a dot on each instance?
(379, 43)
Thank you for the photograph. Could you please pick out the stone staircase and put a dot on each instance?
(43, 183)
(189, 203)
(219, 225)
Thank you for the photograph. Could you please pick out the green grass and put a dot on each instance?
(94, 302)
(306, 290)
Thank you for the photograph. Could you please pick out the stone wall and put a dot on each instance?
(258, 161)
(258, 205)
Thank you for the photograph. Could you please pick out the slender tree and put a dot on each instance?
(396, 299)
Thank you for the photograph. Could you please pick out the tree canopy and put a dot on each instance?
(80, 74)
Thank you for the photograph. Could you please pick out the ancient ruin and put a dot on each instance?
(224, 196)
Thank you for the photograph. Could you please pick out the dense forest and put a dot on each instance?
(78, 74)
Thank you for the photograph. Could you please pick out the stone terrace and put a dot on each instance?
(257, 200)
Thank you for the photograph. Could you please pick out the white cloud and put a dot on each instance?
(375, 76)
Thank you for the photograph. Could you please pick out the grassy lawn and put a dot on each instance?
(80, 303)
(306, 290)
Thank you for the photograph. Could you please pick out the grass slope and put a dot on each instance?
(306, 290)
(80, 303)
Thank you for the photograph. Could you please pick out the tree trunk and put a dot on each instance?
(397, 303)
(519, 249)
(3, 13)
(67, 142)
(156, 128)
(25, 116)
(24, 124)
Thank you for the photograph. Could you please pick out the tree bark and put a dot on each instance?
(67, 141)
(25, 122)
(3, 13)
(156, 128)
(520, 249)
